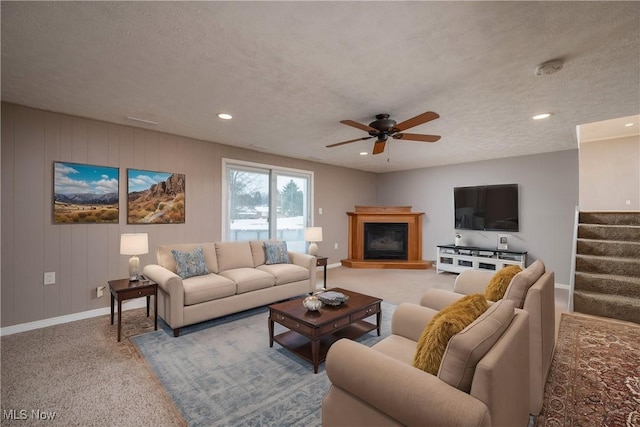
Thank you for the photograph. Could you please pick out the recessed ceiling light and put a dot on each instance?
(364, 153)
(541, 116)
(628, 125)
(225, 116)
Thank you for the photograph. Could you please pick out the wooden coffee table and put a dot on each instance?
(311, 333)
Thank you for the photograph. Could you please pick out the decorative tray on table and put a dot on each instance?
(332, 298)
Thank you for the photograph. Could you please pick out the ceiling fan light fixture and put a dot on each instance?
(541, 116)
(225, 116)
(383, 128)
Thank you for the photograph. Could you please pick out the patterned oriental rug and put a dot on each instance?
(223, 372)
(594, 378)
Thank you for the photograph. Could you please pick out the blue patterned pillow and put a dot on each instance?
(276, 253)
(190, 264)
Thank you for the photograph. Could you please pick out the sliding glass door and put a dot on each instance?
(265, 202)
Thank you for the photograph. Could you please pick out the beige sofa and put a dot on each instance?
(531, 290)
(483, 378)
(238, 279)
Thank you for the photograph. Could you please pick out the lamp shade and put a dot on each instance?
(134, 244)
(313, 234)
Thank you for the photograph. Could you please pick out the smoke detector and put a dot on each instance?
(549, 67)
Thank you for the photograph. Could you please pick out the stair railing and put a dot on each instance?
(574, 254)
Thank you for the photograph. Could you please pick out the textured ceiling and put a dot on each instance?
(290, 71)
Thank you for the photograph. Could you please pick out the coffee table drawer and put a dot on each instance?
(339, 323)
(369, 311)
(293, 325)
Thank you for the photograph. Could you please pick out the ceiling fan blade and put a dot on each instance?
(416, 137)
(417, 120)
(379, 147)
(349, 141)
(358, 125)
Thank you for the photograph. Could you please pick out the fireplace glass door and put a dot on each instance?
(385, 240)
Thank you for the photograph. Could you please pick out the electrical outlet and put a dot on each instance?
(100, 291)
(50, 278)
(319, 211)
(335, 246)
(628, 202)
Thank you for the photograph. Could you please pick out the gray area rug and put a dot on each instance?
(223, 372)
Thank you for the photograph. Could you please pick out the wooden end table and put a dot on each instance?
(123, 289)
(321, 261)
(311, 333)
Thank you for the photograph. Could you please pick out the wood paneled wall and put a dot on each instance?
(85, 256)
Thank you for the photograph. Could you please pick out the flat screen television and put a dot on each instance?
(486, 207)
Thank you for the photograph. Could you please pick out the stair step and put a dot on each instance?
(613, 307)
(611, 218)
(623, 249)
(608, 284)
(623, 233)
(627, 267)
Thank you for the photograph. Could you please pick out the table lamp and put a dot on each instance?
(134, 244)
(313, 235)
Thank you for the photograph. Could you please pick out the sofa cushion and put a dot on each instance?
(521, 282)
(189, 264)
(276, 253)
(286, 273)
(499, 282)
(165, 257)
(233, 255)
(249, 279)
(257, 252)
(444, 325)
(467, 347)
(206, 288)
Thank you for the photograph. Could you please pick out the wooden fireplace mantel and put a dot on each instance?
(385, 214)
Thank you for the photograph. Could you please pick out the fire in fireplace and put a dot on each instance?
(386, 240)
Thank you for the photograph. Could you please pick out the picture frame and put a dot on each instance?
(155, 197)
(85, 194)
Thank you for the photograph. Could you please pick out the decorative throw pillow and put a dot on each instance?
(444, 325)
(500, 281)
(517, 290)
(190, 264)
(276, 253)
(467, 347)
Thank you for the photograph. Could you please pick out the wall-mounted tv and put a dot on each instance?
(486, 207)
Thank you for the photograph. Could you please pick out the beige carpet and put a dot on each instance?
(78, 373)
(393, 286)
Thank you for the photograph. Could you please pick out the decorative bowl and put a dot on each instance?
(333, 298)
(312, 303)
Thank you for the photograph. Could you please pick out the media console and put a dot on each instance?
(456, 259)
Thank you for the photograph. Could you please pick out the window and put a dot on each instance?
(266, 202)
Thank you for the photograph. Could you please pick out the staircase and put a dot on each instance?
(607, 272)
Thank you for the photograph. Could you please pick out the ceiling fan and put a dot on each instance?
(384, 127)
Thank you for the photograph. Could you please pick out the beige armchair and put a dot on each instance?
(379, 386)
(533, 291)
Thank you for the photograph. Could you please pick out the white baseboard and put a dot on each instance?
(23, 327)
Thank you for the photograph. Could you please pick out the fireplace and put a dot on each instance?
(385, 237)
(385, 240)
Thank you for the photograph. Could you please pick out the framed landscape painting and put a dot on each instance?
(155, 197)
(84, 193)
